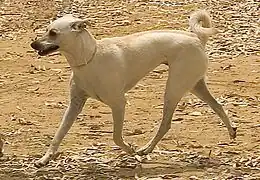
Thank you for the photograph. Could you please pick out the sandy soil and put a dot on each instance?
(33, 97)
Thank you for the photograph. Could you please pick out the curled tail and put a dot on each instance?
(200, 24)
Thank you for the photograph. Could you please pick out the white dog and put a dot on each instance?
(106, 69)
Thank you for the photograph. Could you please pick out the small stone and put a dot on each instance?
(193, 177)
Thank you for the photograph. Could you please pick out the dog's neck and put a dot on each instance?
(83, 50)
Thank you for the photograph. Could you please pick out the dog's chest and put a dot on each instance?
(87, 82)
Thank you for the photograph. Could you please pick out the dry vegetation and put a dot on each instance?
(33, 96)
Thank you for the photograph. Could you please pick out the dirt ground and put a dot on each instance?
(34, 96)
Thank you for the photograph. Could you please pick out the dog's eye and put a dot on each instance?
(53, 33)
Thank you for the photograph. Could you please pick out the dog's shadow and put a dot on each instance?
(88, 167)
(152, 169)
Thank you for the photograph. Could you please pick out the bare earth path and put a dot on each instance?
(33, 97)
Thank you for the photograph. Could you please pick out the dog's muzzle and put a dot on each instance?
(44, 49)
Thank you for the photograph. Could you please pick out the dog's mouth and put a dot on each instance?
(44, 47)
(48, 50)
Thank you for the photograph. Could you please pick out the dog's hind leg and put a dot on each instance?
(181, 79)
(202, 92)
(168, 109)
(77, 101)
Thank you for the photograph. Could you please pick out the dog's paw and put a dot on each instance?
(40, 164)
(141, 152)
(130, 150)
(233, 134)
(144, 150)
(43, 161)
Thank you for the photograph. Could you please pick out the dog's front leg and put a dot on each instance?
(77, 101)
(118, 113)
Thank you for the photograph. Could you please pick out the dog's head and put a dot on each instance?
(59, 35)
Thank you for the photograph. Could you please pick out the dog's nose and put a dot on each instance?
(35, 45)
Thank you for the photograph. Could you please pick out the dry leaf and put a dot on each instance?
(195, 113)
(22, 121)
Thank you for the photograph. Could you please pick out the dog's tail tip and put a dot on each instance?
(207, 31)
(200, 17)
(218, 31)
(201, 24)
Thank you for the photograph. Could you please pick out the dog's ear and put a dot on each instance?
(80, 25)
